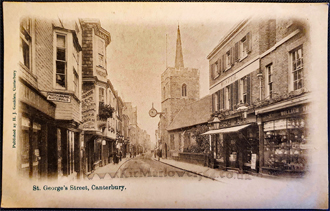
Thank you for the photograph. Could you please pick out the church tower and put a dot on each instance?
(179, 87)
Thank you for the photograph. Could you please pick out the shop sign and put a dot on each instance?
(288, 112)
(35, 100)
(88, 110)
(268, 126)
(296, 122)
(280, 124)
(59, 97)
(253, 161)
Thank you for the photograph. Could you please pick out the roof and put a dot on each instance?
(196, 113)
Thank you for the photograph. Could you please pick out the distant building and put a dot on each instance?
(191, 121)
(99, 104)
(179, 87)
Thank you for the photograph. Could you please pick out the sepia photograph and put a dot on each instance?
(165, 105)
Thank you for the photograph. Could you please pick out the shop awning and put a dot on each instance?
(226, 130)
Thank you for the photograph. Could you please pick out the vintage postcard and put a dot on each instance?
(165, 105)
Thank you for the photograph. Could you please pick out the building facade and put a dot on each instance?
(50, 98)
(98, 98)
(257, 77)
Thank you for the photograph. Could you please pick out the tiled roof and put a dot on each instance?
(198, 112)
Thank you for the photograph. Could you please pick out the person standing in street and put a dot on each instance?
(120, 155)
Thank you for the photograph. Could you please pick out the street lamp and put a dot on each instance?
(216, 123)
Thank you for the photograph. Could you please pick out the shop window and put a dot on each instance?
(61, 62)
(184, 90)
(25, 42)
(101, 52)
(75, 82)
(284, 144)
(297, 68)
(269, 81)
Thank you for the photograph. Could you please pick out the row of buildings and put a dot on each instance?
(71, 118)
(255, 116)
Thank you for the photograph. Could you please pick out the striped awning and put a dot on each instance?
(227, 130)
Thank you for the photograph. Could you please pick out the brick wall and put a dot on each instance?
(279, 59)
(87, 50)
(252, 28)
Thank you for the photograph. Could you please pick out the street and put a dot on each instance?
(144, 165)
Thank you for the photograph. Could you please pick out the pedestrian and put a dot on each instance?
(115, 159)
(120, 155)
(158, 154)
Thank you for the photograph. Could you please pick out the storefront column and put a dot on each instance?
(261, 145)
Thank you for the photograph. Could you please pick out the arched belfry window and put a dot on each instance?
(184, 90)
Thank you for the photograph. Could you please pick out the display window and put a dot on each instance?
(284, 144)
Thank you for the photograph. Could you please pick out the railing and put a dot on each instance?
(195, 158)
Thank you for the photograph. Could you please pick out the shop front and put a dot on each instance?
(234, 148)
(285, 140)
(36, 143)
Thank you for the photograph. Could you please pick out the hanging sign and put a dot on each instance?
(59, 97)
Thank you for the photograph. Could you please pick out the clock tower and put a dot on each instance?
(179, 87)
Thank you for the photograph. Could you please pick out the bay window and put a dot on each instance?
(100, 52)
(61, 63)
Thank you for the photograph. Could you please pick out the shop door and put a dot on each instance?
(35, 156)
(233, 153)
(90, 155)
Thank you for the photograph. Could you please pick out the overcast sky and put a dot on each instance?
(137, 52)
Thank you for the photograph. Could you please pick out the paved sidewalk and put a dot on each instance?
(109, 168)
(215, 174)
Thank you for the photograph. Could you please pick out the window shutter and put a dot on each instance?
(219, 66)
(211, 72)
(232, 56)
(235, 93)
(221, 99)
(213, 103)
(249, 41)
(231, 94)
(236, 51)
(223, 62)
(248, 94)
(218, 98)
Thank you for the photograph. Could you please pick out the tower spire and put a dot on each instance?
(178, 56)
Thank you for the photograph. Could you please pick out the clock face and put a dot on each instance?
(152, 112)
